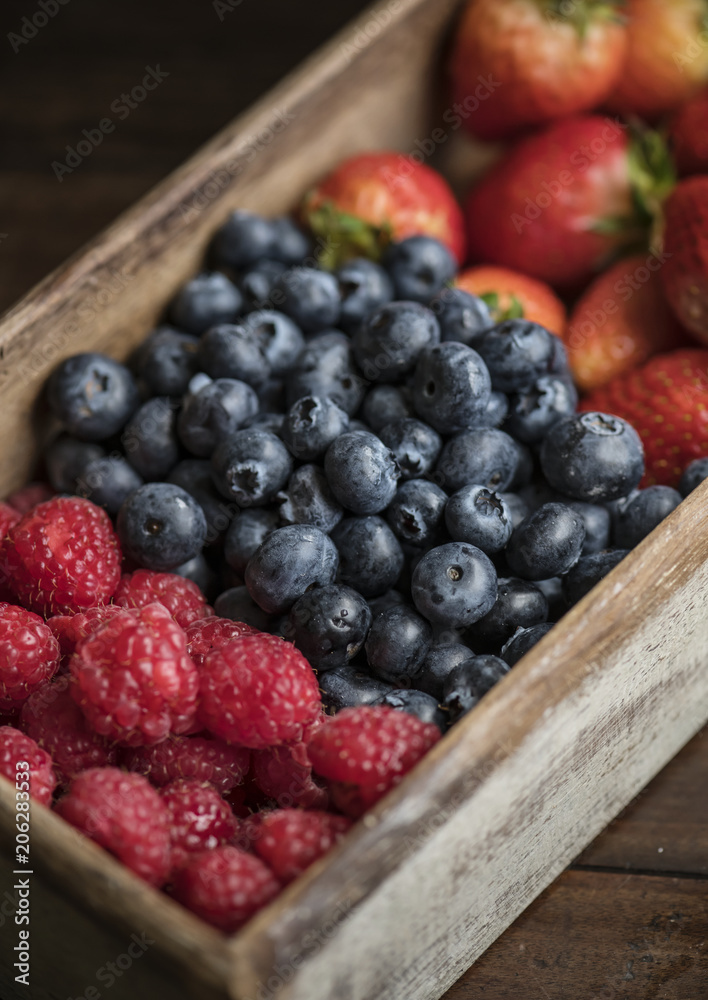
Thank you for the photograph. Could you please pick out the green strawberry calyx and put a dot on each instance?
(342, 236)
(499, 315)
(582, 13)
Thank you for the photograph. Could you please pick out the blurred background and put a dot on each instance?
(220, 56)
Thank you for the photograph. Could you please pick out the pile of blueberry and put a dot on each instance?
(362, 462)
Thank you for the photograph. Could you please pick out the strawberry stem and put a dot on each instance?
(343, 236)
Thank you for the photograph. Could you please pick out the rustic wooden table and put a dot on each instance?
(630, 918)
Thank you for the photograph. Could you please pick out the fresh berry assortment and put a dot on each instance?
(351, 480)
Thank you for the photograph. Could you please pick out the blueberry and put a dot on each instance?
(440, 660)
(494, 414)
(290, 244)
(470, 681)
(198, 571)
(416, 512)
(451, 387)
(552, 590)
(516, 353)
(289, 561)
(92, 395)
(256, 284)
(212, 414)
(548, 543)
(329, 625)
(231, 351)
(643, 513)
(522, 641)
(485, 456)
(66, 460)
(454, 585)
(242, 240)
(326, 368)
(246, 533)
(238, 605)
(588, 572)
(264, 421)
(108, 481)
(311, 425)
(349, 687)
(281, 341)
(417, 703)
(370, 556)
(693, 476)
(167, 361)
(593, 457)
(397, 644)
(308, 499)
(415, 446)
(419, 267)
(271, 395)
(519, 603)
(161, 526)
(517, 507)
(388, 600)
(462, 317)
(533, 412)
(149, 439)
(362, 472)
(388, 344)
(479, 516)
(310, 297)
(194, 476)
(596, 519)
(207, 300)
(250, 467)
(363, 286)
(385, 404)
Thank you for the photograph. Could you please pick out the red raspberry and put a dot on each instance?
(200, 757)
(70, 629)
(182, 598)
(258, 691)
(55, 722)
(133, 677)
(213, 633)
(200, 819)
(8, 518)
(285, 775)
(225, 887)
(62, 556)
(14, 747)
(29, 496)
(125, 815)
(29, 655)
(370, 748)
(290, 840)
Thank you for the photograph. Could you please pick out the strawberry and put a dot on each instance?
(620, 321)
(667, 57)
(688, 136)
(511, 295)
(666, 400)
(685, 274)
(374, 198)
(563, 202)
(521, 63)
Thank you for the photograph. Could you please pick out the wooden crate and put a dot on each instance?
(441, 867)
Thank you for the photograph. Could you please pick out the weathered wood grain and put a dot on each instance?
(630, 936)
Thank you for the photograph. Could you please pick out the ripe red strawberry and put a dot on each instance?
(667, 57)
(373, 198)
(666, 400)
(688, 136)
(620, 321)
(511, 294)
(564, 201)
(521, 63)
(685, 274)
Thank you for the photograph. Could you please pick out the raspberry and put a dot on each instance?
(62, 556)
(258, 691)
(29, 655)
(290, 840)
(225, 887)
(200, 819)
(285, 774)
(213, 633)
(55, 722)
(125, 815)
(182, 598)
(133, 678)
(200, 757)
(14, 747)
(70, 629)
(363, 752)
(8, 518)
(29, 496)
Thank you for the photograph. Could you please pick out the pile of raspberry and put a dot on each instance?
(191, 747)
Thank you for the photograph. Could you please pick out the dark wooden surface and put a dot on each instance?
(631, 917)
